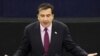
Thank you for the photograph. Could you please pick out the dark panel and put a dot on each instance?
(10, 37)
(87, 35)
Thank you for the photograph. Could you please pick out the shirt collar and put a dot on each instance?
(49, 27)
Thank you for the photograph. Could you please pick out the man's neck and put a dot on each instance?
(45, 25)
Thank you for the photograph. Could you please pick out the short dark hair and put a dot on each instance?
(45, 6)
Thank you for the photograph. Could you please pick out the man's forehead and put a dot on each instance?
(48, 11)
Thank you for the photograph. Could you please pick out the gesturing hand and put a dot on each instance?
(92, 54)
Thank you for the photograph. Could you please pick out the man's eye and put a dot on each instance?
(42, 15)
(48, 15)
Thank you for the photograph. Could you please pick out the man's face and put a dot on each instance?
(45, 17)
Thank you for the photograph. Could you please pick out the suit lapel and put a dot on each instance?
(53, 39)
(38, 38)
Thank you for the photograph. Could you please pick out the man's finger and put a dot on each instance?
(92, 54)
(95, 53)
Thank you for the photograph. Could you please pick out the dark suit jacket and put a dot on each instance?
(32, 43)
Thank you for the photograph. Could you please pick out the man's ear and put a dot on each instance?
(53, 15)
(37, 14)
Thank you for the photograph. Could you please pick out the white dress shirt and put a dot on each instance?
(43, 32)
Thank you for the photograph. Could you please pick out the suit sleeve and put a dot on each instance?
(70, 45)
(25, 45)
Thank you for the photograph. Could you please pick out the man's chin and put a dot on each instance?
(46, 23)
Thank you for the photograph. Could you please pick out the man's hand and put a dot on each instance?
(92, 54)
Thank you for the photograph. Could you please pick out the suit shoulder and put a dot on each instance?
(31, 25)
(59, 23)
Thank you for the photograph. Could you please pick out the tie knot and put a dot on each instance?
(45, 29)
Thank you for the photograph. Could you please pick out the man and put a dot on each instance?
(48, 37)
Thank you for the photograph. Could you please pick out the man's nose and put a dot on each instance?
(45, 17)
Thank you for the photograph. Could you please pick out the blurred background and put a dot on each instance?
(82, 17)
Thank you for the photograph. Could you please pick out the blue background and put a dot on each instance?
(63, 8)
